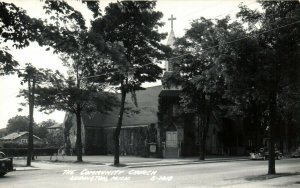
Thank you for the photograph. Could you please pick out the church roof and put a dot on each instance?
(147, 111)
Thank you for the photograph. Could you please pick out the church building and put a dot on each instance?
(160, 128)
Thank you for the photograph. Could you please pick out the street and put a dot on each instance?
(244, 173)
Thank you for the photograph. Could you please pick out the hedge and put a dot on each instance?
(16, 152)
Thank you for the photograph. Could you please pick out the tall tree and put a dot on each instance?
(131, 27)
(17, 123)
(276, 30)
(67, 33)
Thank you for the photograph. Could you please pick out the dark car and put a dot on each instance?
(264, 154)
(278, 154)
(6, 164)
(296, 153)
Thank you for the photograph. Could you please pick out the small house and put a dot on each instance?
(20, 138)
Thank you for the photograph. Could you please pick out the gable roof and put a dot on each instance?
(147, 108)
(16, 135)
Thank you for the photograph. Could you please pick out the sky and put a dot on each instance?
(183, 10)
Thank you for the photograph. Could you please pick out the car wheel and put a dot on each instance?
(2, 174)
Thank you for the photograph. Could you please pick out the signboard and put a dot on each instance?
(152, 148)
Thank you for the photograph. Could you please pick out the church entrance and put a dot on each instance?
(171, 150)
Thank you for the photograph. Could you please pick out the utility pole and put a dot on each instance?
(31, 91)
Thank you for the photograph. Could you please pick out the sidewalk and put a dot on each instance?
(185, 161)
(128, 161)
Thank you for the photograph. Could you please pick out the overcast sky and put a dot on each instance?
(183, 10)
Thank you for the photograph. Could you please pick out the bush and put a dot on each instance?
(17, 152)
(19, 145)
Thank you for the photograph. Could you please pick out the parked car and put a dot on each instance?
(263, 153)
(6, 164)
(296, 153)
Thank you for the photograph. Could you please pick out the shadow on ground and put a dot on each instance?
(6, 177)
(120, 165)
(70, 162)
(267, 176)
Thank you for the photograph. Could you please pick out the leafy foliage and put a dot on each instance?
(15, 26)
(55, 138)
(20, 124)
(132, 28)
(199, 71)
(17, 123)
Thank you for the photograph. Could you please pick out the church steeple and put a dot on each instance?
(170, 43)
(168, 64)
(171, 38)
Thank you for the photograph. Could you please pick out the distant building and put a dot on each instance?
(20, 138)
(54, 128)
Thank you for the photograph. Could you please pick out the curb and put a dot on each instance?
(26, 168)
(141, 165)
(144, 164)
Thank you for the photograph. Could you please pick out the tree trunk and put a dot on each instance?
(204, 130)
(67, 142)
(286, 136)
(78, 136)
(202, 145)
(271, 167)
(30, 127)
(204, 127)
(118, 129)
(78, 121)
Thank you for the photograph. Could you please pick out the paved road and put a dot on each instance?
(218, 174)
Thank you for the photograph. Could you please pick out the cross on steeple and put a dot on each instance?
(171, 19)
